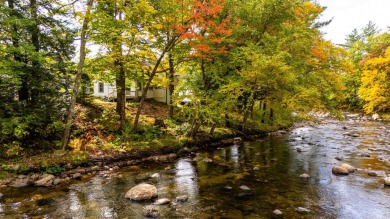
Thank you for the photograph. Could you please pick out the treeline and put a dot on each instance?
(243, 64)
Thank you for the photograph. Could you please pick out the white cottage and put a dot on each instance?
(107, 91)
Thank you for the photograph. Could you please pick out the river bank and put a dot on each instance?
(58, 167)
(249, 181)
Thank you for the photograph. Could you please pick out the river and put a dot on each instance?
(247, 181)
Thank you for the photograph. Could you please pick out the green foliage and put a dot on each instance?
(145, 133)
(77, 158)
(56, 169)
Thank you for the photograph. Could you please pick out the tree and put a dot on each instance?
(375, 87)
(83, 41)
(37, 46)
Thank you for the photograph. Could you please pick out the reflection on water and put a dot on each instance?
(212, 180)
(186, 178)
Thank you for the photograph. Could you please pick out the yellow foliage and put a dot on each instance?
(375, 83)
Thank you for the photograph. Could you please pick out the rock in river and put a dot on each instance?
(350, 168)
(162, 201)
(245, 188)
(338, 170)
(304, 176)
(277, 212)
(182, 198)
(142, 192)
(303, 210)
(46, 180)
(387, 181)
(150, 211)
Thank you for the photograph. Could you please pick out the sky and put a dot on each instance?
(350, 14)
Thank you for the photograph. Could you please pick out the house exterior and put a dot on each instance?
(107, 91)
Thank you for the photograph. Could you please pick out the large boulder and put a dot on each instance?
(46, 180)
(338, 170)
(142, 192)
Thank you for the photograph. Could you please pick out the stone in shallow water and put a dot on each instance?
(245, 188)
(162, 201)
(304, 176)
(150, 211)
(350, 168)
(338, 170)
(387, 181)
(277, 212)
(182, 198)
(142, 192)
(303, 210)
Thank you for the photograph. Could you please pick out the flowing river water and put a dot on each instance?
(269, 167)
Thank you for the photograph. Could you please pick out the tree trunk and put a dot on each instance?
(34, 30)
(145, 91)
(213, 128)
(80, 66)
(171, 84)
(264, 110)
(120, 78)
(121, 95)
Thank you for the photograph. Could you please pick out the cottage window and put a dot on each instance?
(101, 87)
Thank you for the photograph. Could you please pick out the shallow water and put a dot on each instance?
(270, 167)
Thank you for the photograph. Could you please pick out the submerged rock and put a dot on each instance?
(162, 201)
(372, 173)
(338, 170)
(182, 198)
(142, 192)
(150, 211)
(350, 168)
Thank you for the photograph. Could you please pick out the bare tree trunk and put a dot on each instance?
(167, 48)
(80, 66)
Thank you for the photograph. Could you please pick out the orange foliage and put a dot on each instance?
(207, 28)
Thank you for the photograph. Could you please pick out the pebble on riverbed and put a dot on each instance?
(277, 212)
(303, 210)
(304, 176)
(182, 198)
(150, 211)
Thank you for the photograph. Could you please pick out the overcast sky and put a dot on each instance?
(350, 14)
